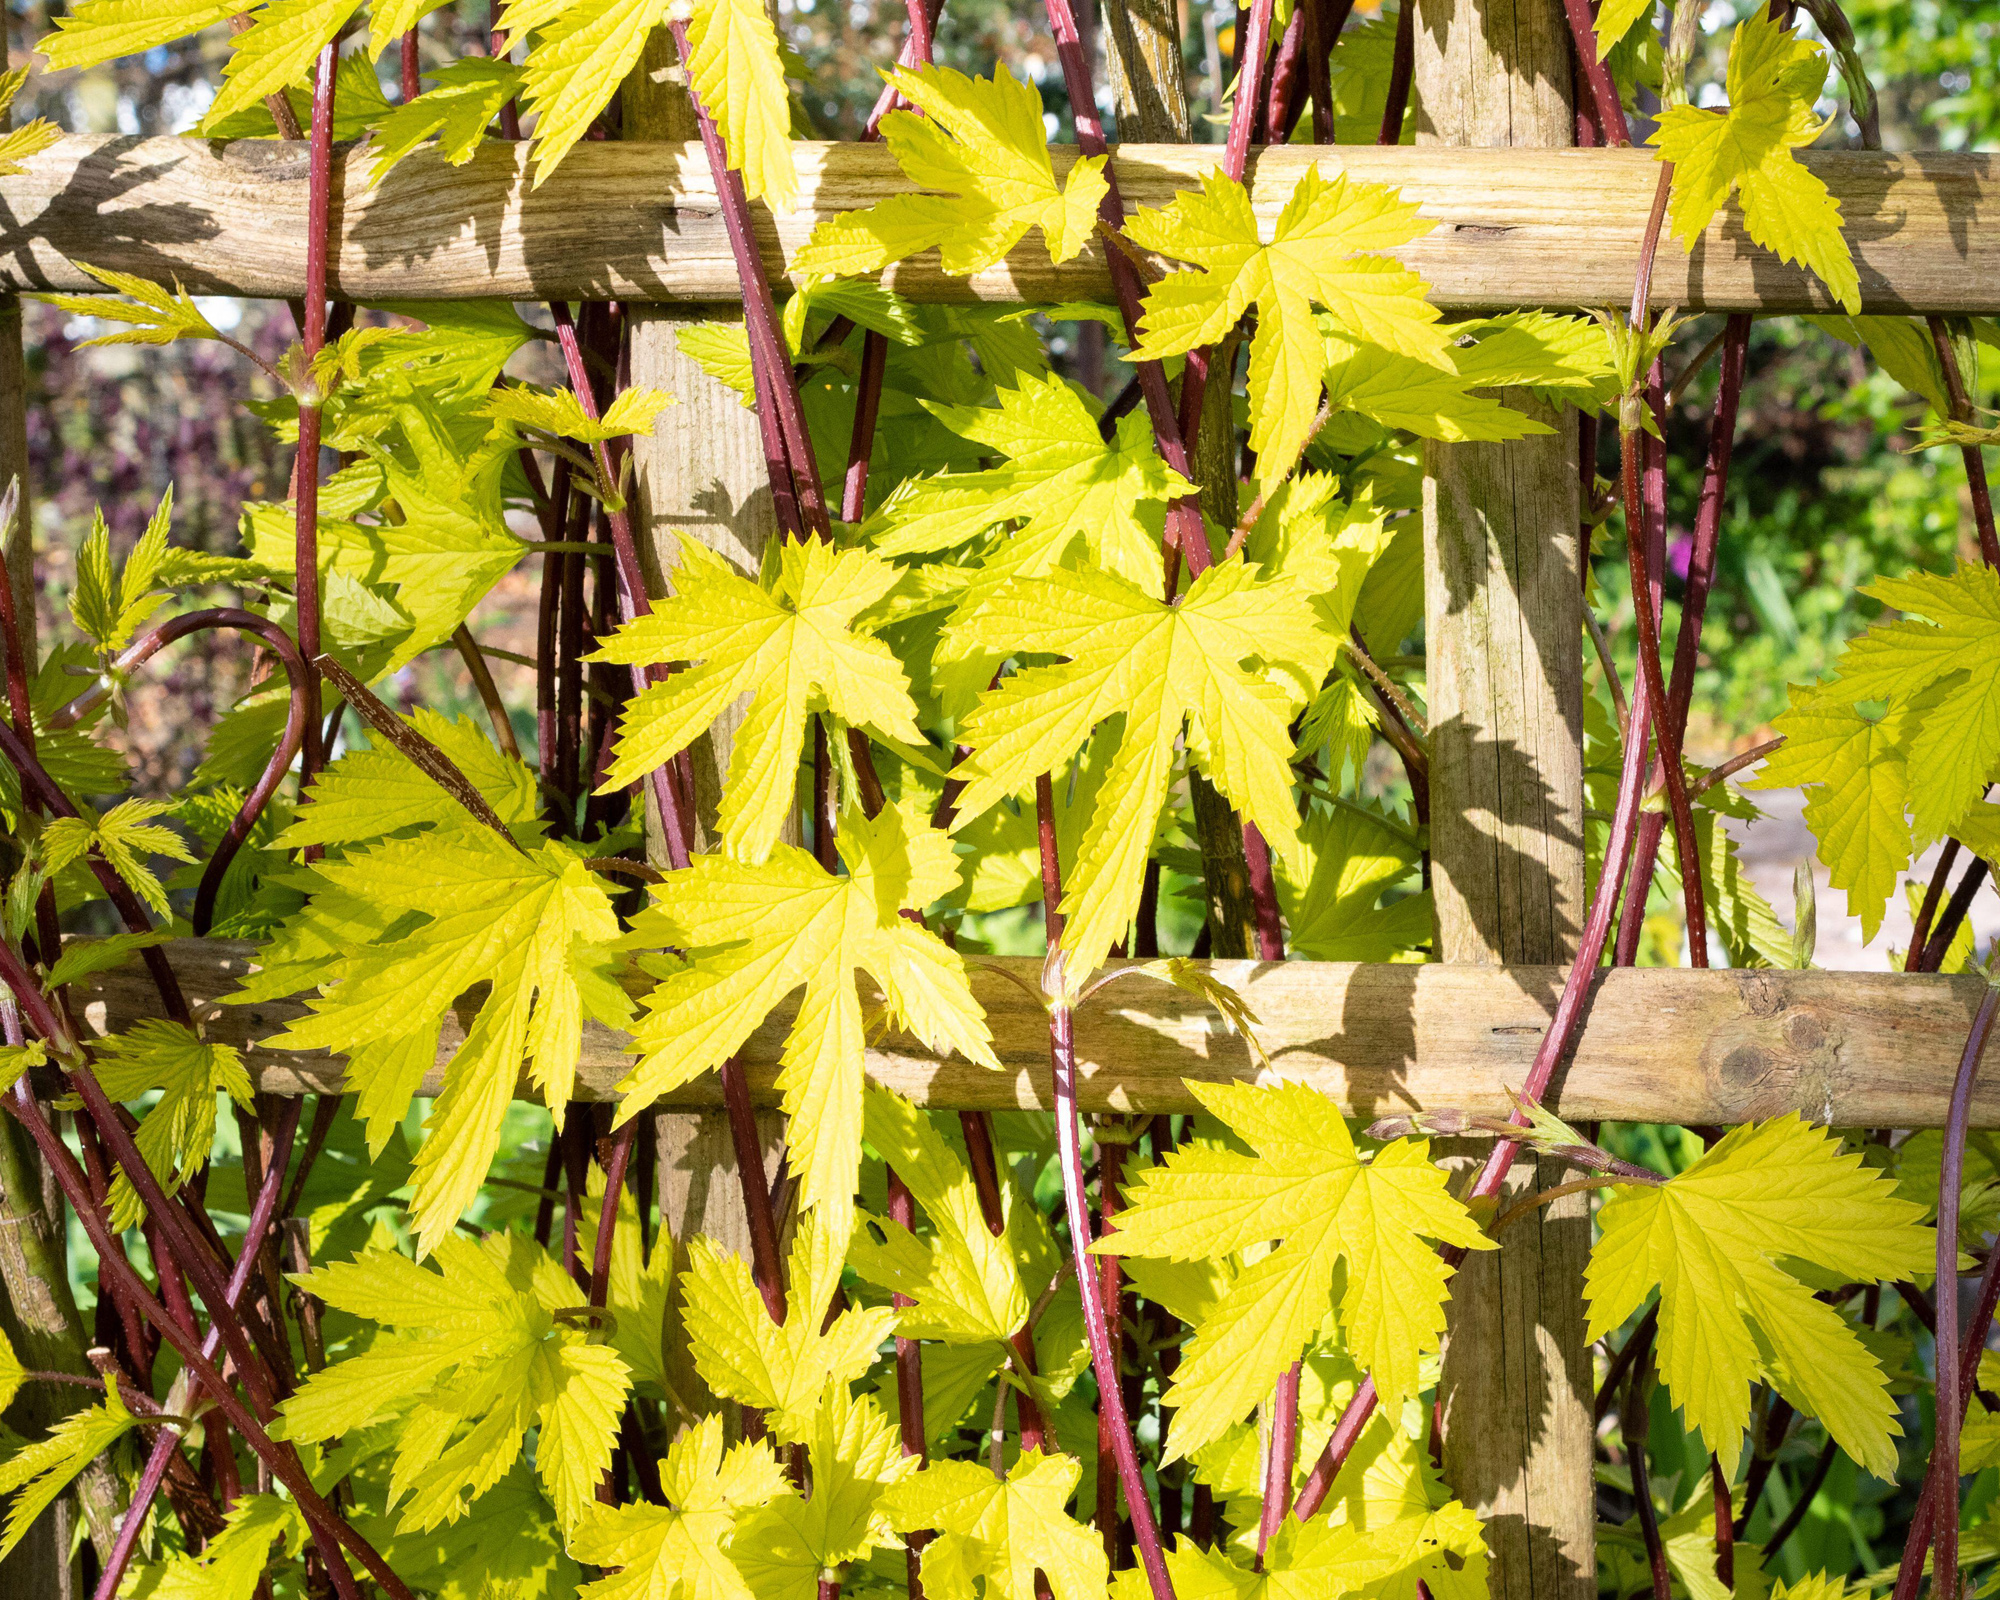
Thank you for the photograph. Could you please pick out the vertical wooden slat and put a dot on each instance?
(38, 1318)
(1503, 628)
(1142, 48)
(699, 475)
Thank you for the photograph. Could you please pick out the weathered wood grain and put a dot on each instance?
(1502, 620)
(640, 221)
(1853, 1049)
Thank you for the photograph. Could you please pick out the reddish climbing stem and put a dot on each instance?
(1975, 464)
(1555, 1045)
(1103, 1357)
(305, 546)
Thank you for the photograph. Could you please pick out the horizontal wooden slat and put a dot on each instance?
(1848, 1048)
(641, 222)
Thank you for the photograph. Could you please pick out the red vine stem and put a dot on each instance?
(1950, 1391)
(909, 1386)
(262, 1214)
(148, 645)
(1283, 1458)
(328, 1527)
(788, 454)
(1062, 1069)
(1555, 1045)
(1735, 340)
(305, 548)
(1610, 121)
(1632, 1414)
(1910, 1575)
(35, 778)
(676, 824)
(1402, 70)
(1975, 463)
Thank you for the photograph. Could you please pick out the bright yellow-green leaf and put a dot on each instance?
(1160, 667)
(175, 1135)
(794, 648)
(1000, 1531)
(1858, 794)
(558, 411)
(737, 71)
(470, 1357)
(1901, 347)
(122, 838)
(279, 47)
(374, 790)
(452, 542)
(968, 1286)
(1310, 1561)
(109, 609)
(578, 65)
(1939, 670)
(1775, 77)
(679, 1551)
(231, 1564)
(16, 1059)
(18, 144)
(1324, 251)
(153, 315)
(854, 1454)
(535, 927)
(12, 1373)
(468, 96)
(1332, 909)
(389, 20)
(1400, 391)
(1711, 1240)
(102, 30)
(981, 149)
(1307, 1186)
(1062, 480)
(1615, 19)
(783, 1371)
(41, 1471)
(1814, 1586)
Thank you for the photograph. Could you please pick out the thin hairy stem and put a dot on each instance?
(426, 757)
(1975, 463)
(305, 551)
(1103, 1356)
(1633, 1418)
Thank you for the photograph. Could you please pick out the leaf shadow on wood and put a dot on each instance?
(81, 222)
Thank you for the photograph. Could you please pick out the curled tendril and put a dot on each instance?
(148, 645)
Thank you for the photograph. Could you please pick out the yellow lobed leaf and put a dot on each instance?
(739, 76)
(1323, 252)
(1773, 81)
(794, 647)
(175, 1136)
(535, 927)
(586, 49)
(1711, 1240)
(681, 1548)
(102, 30)
(1309, 1188)
(1159, 667)
(1004, 1530)
(980, 145)
(278, 48)
(754, 934)
(389, 20)
(783, 1371)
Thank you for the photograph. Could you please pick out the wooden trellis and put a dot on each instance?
(1520, 225)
